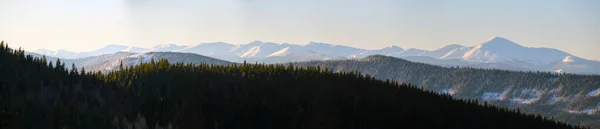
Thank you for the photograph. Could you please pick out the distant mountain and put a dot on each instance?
(503, 52)
(110, 62)
(270, 52)
(60, 53)
(572, 64)
(333, 50)
(494, 53)
(498, 49)
(410, 52)
(383, 51)
(438, 54)
(172, 57)
(167, 48)
(209, 48)
(110, 49)
(299, 56)
(566, 97)
(258, 49)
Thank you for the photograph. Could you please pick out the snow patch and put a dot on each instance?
(559, 71)
(526, 96)
(281, 52)
(594, 93)
(251, 52)
(143, 57)
(495, 95)
(449, 91)
(584, 111)
(568, 59)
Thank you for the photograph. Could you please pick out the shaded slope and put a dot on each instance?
(553, 95)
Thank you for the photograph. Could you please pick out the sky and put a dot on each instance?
(572, 26)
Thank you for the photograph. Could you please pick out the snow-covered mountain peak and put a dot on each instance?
(451, 47)
(134, 49)
(257, 42)
(498, 43)
(114, 46)
(167, 47)
(213, 43)
(392, 47)
(164, 46)
(496, 38)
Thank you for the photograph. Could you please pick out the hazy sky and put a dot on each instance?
(81, 25)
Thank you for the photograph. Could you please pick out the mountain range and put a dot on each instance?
(567, 97)
(494, 53)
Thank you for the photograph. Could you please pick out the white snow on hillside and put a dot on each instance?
(448, 91)
(568, 59)
(281, 52)
(526, 96)
(495, 95)
(253, 51)
(584, 111)
(594, 93)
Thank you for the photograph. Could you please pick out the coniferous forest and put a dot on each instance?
(548, 94)
(39, 93)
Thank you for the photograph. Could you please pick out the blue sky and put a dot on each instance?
(80, 25)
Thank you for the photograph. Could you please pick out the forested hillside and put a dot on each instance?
(157, 94)
(110, 62)
(567, 97)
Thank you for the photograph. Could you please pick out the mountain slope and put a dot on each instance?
(110, 49)
(439, 53)
(332, 50)
(558, 96)
(410, 52)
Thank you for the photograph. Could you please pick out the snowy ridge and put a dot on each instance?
(253, 51)
(281, 52)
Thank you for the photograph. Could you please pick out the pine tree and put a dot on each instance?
(83, 72)
(74, 70)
